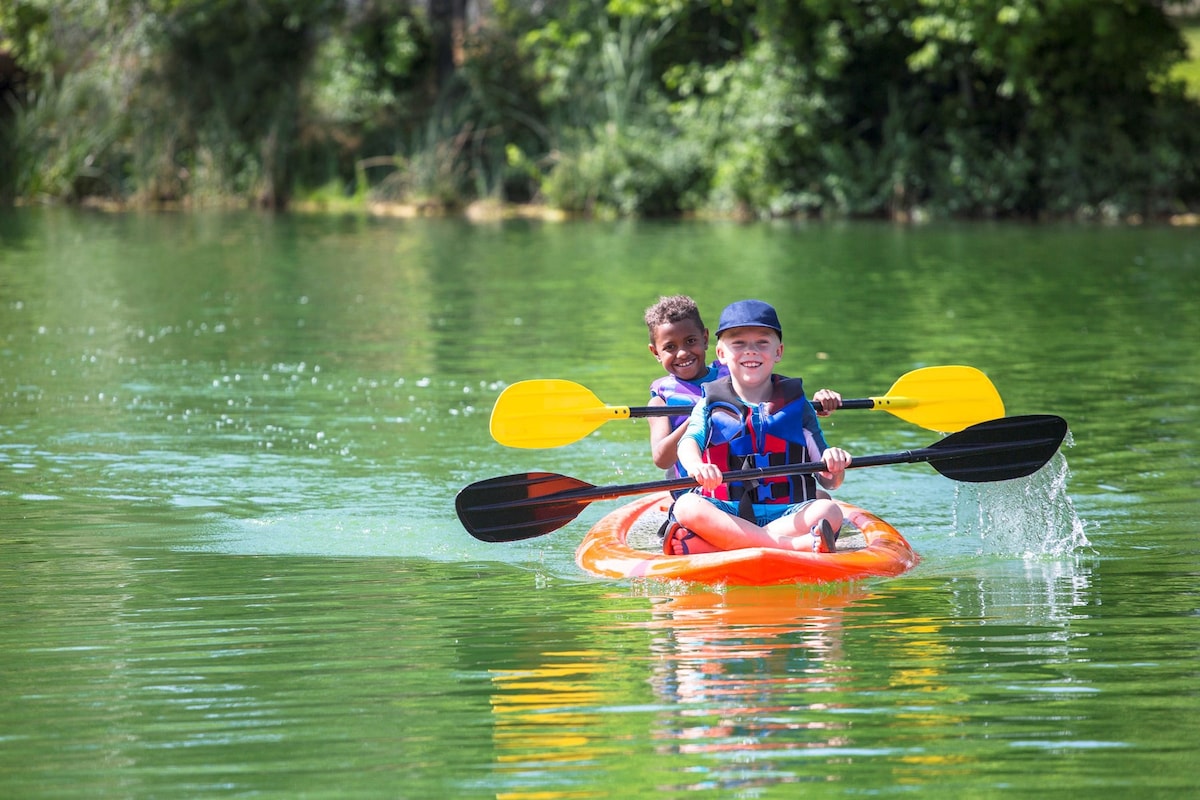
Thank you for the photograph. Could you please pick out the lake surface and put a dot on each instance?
(230, 446)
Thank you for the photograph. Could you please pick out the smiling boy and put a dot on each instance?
(679, 340)
(755, 418)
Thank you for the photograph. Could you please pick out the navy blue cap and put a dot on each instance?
(746, 313)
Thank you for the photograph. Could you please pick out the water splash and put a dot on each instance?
(1031, 516)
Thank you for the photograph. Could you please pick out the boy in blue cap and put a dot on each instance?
(755, 418)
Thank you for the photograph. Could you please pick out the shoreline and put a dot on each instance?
(482, 211)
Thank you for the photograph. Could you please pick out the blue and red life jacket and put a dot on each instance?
(784, 430)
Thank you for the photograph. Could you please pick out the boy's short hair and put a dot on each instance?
(675, 308)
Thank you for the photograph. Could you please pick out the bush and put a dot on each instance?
(638, 171)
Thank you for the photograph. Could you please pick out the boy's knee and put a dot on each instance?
(687, 506)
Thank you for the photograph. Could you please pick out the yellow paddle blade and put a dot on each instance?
(945, 399)
(548, 413)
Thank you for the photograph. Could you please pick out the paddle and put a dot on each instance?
(552, 413)
(530, 504)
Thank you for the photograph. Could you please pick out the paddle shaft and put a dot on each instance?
(683, 411)
(924, 454)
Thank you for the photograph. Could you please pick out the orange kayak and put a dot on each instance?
(868, 546)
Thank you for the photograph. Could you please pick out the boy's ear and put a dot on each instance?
(653, 350)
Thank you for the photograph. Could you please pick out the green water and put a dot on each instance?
(229, 448)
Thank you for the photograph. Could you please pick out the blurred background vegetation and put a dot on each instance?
(1028, 109)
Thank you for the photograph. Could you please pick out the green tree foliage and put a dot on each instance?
(235, 72)
(893, 107)
(613, 146)
(970, 108)
(902, 108)
(1075, 90)
(1189, 71)
(64, 100)
(184, 99)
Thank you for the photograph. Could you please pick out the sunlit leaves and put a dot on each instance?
(766, 107)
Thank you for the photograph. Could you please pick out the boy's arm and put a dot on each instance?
(836, 460)
(664, 440)
(690, 450)
(707, 475)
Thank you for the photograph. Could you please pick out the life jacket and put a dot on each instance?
(675, 391)
(768, 434)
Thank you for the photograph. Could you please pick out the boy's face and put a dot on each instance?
(681, 348)
(750, 353)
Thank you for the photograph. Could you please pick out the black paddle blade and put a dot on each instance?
(999, 449)
(494, 510)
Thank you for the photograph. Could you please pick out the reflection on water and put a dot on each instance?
(750, 673)
(755, 687)
(740, 674)
(546, 717)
